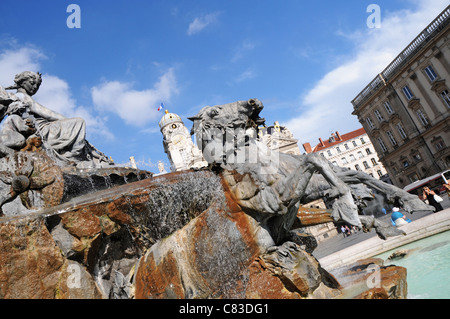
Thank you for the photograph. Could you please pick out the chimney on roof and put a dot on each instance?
(307, 148)
(338, 136)
(321, 142)
(332, 138)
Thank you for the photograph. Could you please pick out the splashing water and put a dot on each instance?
(162, 204)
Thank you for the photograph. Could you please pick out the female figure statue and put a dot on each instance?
(63, 137)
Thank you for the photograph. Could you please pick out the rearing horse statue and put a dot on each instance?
(271, 185)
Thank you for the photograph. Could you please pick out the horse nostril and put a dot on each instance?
(213, 113)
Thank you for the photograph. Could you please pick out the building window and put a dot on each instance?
(378, 116)
(368, 151)
(322, 154)
(362, 140)
(388, 107)
(352, 158)
(374, 161)
(381, 143)
(413, 177)
(440, 145)
(380, 173)
(446, 97)
(344, 160)
(360, 154)
(405, 164)
(338, 149)
(357, 167)
(366, 165)
(430, 73)
(334, 163)
(354, 143)
(422, 117)
(184, 156)
(346, 146)
(417, 157)
(407, 92)
(401, 131)
(391, 138)
(369, 123)
(329, 153)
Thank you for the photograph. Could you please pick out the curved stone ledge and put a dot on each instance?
(418, 229)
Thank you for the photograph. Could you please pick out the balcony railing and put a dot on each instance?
(404, 57)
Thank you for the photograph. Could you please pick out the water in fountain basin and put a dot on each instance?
(428, 266)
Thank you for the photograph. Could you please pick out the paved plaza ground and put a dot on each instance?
(338, 243)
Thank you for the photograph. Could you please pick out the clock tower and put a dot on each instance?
(178, 145)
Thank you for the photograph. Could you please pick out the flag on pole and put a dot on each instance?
(161, 107)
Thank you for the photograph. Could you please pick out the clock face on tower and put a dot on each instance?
(179, 140)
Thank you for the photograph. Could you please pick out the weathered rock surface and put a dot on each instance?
(105, 233)
(179, 235)
(370, 279)
(290, 272)
(400, 253)
(33, 266)
(227, 253)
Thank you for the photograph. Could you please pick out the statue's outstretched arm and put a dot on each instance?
(42, 111)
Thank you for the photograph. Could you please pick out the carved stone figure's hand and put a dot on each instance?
(16, 107)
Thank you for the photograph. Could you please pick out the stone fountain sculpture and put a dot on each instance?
(28, 121)
(274, 184)
(226, 231)
(39, 148)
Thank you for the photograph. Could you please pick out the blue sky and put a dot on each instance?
(304, 60)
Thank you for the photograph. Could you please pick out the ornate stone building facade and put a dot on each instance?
(178, 144)
(353, 150)
(279, 138)
(405, 110)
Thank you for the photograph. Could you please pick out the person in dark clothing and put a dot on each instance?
(428, 194)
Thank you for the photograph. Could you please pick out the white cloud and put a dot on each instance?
(246, 75)
(54, 92)
(242, 50)
(133, 106)
(327, 106)
(14, 61)
(202, 22)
